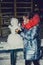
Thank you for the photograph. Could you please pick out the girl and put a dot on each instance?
(30, 35)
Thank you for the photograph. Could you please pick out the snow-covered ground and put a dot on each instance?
(6, 60)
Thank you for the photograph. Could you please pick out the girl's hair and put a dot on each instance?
(30, 14)
(27, 15)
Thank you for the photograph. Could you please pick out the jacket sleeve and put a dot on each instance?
(21, 32)
(33, 21)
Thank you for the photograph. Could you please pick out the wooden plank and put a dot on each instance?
(23, 7)
(21, 12)
(6, 2)
(6, 8)
(7, 13)
(23, 2)
(19, 16)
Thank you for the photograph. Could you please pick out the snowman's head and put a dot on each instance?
(14, 21)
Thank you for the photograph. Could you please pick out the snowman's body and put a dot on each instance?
(14, 40)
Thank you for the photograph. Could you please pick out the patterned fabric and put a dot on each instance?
(31, 43)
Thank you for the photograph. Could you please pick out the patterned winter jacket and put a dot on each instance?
(31, 39)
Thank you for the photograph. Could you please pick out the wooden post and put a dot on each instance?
(0, 18)
(31, 5)
(14, 8)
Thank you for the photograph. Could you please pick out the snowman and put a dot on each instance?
(14, 40)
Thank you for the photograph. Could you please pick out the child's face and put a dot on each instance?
(24, 17)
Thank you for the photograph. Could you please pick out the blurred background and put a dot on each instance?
(16, 8)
